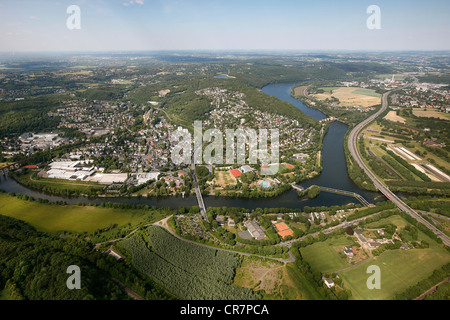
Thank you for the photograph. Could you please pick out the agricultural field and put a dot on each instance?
(269, 276)
(55, 218)
(325, 256)
(431, 113)
(351, 96)
(400, 269)
(187, 270)
(392, 116)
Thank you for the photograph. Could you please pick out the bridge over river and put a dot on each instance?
(337, 191)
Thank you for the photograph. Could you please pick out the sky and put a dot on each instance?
(132, 25)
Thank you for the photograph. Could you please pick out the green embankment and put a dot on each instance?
(53, 218)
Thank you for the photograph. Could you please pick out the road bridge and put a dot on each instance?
(10, 167)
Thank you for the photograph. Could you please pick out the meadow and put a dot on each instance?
(56, 218)
(323, 257)
(400, 269)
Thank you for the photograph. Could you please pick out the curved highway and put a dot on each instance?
(352, 145)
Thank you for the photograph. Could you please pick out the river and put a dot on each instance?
(334, 175)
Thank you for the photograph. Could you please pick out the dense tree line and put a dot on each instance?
(422, 286)
(33, 266)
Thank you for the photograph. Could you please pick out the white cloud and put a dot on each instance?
(131, 2)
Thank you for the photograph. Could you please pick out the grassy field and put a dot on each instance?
(392, 116)
(367, 92)
(399, 268)
(53, 218)
(395, 220)
(302, 284)
(322, 256)
(431, 113)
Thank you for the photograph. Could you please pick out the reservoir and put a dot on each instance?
(334, 175)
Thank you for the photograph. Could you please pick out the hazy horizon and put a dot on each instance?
(205, 25)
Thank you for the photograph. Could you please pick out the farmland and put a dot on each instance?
(351, 96)
(187, 270)
(427, 113)
(392, 116)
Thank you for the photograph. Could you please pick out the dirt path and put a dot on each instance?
(432, 290)
(129, 292)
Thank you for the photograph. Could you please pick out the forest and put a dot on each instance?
(187, 270)
(33, 266)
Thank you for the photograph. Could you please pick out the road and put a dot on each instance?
(329, 230)
(163, 224)
(352, 144)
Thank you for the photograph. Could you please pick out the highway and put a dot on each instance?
(352, 144)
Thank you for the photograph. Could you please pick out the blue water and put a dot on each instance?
(222, 76)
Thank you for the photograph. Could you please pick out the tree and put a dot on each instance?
(350, 231)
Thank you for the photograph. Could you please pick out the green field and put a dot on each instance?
(367, 92)
(400, 269)
(322, 257)
(53, 218)
(302, 283)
